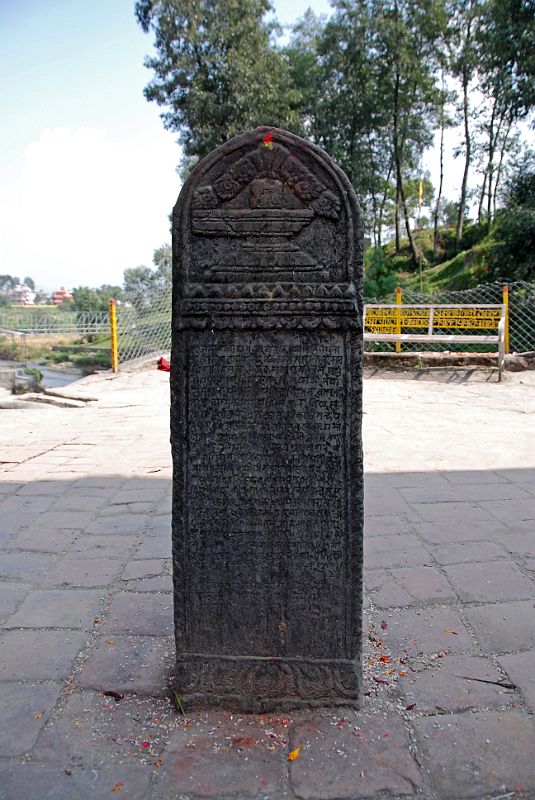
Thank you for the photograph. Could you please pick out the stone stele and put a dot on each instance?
(266, 389)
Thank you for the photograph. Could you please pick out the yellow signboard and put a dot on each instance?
(391, 320)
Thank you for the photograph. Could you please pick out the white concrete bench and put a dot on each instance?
(387, 322)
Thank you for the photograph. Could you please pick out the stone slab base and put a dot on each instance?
(258, 685)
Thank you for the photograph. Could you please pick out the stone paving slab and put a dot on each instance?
(520, 667)
(357, 755)
(41, 782)
(86, 608)
(39, 655)
(480, 755)
(24, 709)
(137, 664)
(457, 683)
(504, 627)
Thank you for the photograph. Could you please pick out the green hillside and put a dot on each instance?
(503, 250)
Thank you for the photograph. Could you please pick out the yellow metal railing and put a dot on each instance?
(113, 335)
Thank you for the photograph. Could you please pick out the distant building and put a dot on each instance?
(62, 296)
(22, 295)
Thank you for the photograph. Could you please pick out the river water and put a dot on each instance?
(52, 378)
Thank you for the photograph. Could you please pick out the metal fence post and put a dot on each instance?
(113, 334)
(399, 299)
(505, 301)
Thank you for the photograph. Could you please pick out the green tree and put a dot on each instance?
(138, 284)
(8, 282)
(376, 99)
(508, 39)
(409, 33)
(379, 279)
(93, 300)
(30, 283)
(307, 73)
(85, 300)
(514, 228)
(163, 261)
(463, 56)
(216, 70)
(354, 124)
(506, 64)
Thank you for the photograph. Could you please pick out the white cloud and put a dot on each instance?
(85, 207)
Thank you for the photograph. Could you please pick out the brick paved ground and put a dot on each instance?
(85, 607)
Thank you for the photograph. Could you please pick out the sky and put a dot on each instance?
(87, 172)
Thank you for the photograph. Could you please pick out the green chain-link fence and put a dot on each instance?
(521, 314)
(144, 327)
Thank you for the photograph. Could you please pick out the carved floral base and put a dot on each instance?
(258, 685)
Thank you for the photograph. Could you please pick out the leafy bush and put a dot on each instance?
(515, 230)
(36, 373)
(379, 277)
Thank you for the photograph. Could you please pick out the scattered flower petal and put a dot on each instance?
(116, 695)
(294, 754)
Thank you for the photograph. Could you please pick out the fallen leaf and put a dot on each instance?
(384, 625)
(110, 641)
(144, 745)
(402, 673)
(179, 705)
(380, 680)
(450, 631)
(409, 708)
(294, 754)
(116, 695)
(38, 715)
(384, 659)
(117, 787)
(67, 771)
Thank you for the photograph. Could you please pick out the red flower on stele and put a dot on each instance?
(268, 140)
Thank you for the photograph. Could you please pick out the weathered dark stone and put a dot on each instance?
(266, 428)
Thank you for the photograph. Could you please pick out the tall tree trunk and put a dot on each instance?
(482, 198)
(468, 153)
(441, 180)
(412, 242)
(500, 163)
(398, 218)
(400, 191)
(382, 205)
(493, 136)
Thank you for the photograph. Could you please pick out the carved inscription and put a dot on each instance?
(266, 455)
(266, 404)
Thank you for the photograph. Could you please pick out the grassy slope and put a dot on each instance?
(461, 270)
(465, 270)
